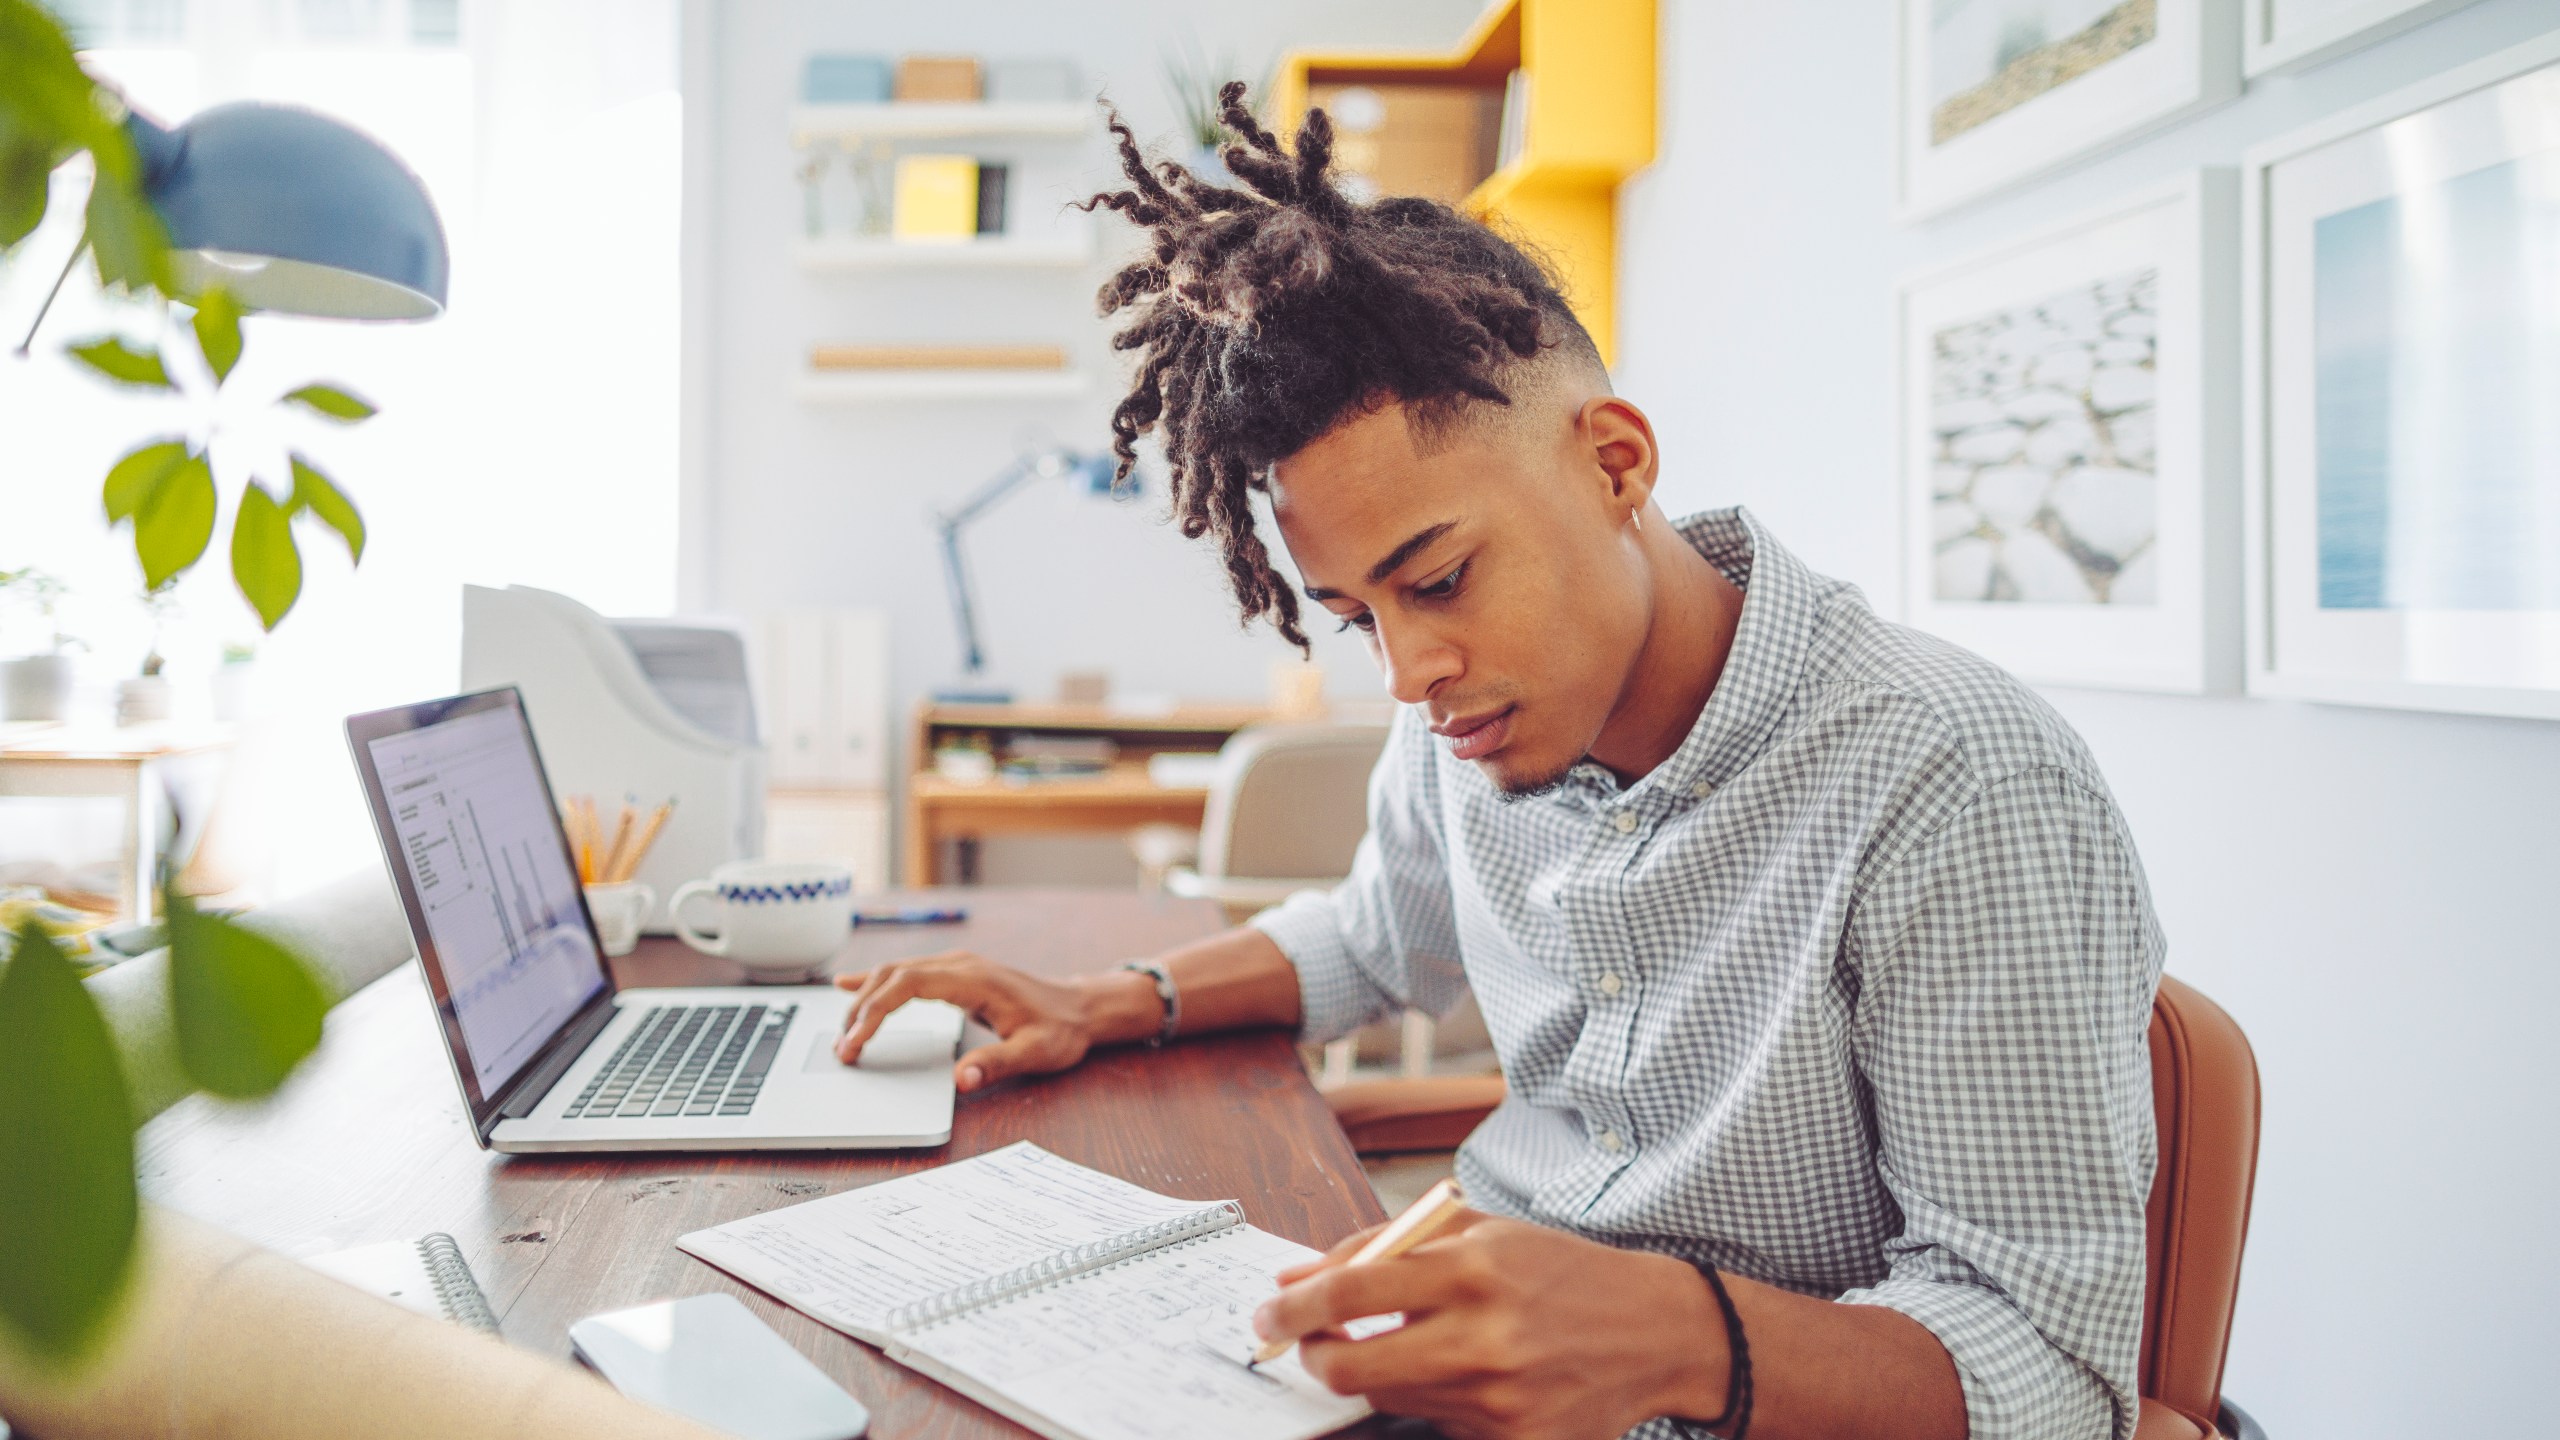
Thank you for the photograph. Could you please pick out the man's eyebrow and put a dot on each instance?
(1414, 545)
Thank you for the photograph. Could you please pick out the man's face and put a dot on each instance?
(1495, 577)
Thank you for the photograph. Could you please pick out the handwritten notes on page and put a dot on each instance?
(852, 1259)
(1150, 1348)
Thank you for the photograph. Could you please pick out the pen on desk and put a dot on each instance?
(909, 916)
(1421, 1221)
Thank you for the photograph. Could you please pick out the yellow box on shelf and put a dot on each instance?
(937, 199)
(1581, 118)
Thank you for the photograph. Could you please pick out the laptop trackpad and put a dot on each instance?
(921, 1033)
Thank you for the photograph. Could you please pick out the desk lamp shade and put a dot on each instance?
(293, 212)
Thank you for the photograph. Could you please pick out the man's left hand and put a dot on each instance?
(1510, 1330)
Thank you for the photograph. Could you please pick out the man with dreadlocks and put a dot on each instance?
(1815, 951)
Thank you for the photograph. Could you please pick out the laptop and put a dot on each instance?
(549, 1052)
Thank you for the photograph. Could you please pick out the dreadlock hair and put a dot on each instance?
(1269, 312)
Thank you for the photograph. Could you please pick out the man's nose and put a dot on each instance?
(1416, 662)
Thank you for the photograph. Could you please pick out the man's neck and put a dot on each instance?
(1695, 612)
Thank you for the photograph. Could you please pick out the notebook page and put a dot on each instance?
(1151, 1348)
(851, 1259)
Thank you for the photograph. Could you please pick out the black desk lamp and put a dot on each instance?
(1091, 474)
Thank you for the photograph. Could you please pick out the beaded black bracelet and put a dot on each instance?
(1737, 1384)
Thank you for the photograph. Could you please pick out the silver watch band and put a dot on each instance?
(1165, 992)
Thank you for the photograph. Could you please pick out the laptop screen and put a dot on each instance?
(468, 822)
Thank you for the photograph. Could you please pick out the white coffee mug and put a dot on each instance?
(778, 919)
(620, 908)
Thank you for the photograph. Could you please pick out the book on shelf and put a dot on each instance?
(992, 180)
(1515, 120)
(938, 357)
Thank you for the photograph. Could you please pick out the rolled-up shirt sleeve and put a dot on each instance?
(1385, 939)
(2009, 960)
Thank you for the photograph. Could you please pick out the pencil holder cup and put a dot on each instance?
(778, 920)
(618, 909)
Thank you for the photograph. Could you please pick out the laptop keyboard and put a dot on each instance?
(689, 1060)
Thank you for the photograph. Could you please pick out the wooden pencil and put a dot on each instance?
(612, 860)
(630, 865)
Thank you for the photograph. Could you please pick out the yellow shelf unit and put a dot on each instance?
(1590, 124)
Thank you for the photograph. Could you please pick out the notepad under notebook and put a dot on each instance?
(427, 1275)
(1083, 1306)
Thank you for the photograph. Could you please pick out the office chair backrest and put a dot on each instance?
(2204, 1091)
(1290, 801)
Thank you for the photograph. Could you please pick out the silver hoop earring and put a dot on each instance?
(1638, 517)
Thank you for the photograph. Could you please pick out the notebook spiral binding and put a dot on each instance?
(936, 1309)
(456, 1288)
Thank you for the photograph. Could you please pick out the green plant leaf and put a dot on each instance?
(264, 562)
(174, 525)
(217, 327)
(245, 1009)
(26, 183)
(125, 233)
(131, 480)
(111, 357)
(315, 492)
(333, 402)
(67, 1198)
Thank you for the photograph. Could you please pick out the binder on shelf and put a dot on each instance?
(937, 198)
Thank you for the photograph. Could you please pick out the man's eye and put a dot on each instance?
(1363, 622)
(1445, 586)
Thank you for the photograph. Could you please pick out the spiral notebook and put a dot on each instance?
(427, 1275)
(1074, 1302)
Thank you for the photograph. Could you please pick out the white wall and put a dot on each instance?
(2367, 892)
(811, 505)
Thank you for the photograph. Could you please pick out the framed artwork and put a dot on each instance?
(2402, 264)
(2288, 35)
(1991, 92)
(2068, 413)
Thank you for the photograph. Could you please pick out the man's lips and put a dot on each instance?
(1476, 737)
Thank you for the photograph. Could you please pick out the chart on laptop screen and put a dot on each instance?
(483, 848)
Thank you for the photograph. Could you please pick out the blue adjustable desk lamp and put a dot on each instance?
(290, 211)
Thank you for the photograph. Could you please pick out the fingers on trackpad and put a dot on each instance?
(918, 1034)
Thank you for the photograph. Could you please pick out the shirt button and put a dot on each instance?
(1702, 789)
(1610, 984)
(1625, 820)
(1609, 1141)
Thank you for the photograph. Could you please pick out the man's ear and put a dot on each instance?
(1621, 441)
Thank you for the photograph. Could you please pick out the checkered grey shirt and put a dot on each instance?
(1849, 995)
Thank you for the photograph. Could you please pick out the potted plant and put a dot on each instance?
(231, 682)
(38, 686)
(144, 698)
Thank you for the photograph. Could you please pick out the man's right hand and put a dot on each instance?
(1041, 1025)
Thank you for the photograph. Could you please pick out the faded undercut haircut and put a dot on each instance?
(1270, 311)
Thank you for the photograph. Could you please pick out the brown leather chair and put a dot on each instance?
(2204, 1094)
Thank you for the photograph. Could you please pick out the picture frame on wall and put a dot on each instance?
(1993, 92)
(2284, 36)
(2402, 278)
(2069, 422)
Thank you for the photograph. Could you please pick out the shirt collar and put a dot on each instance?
(1780, 604)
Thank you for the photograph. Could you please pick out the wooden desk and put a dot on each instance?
(1115, 803)
(369, 1142)
(108, 763)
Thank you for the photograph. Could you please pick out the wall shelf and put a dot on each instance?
(1009, 252)
(862, 387)
(938, 119)
(1590, 69)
